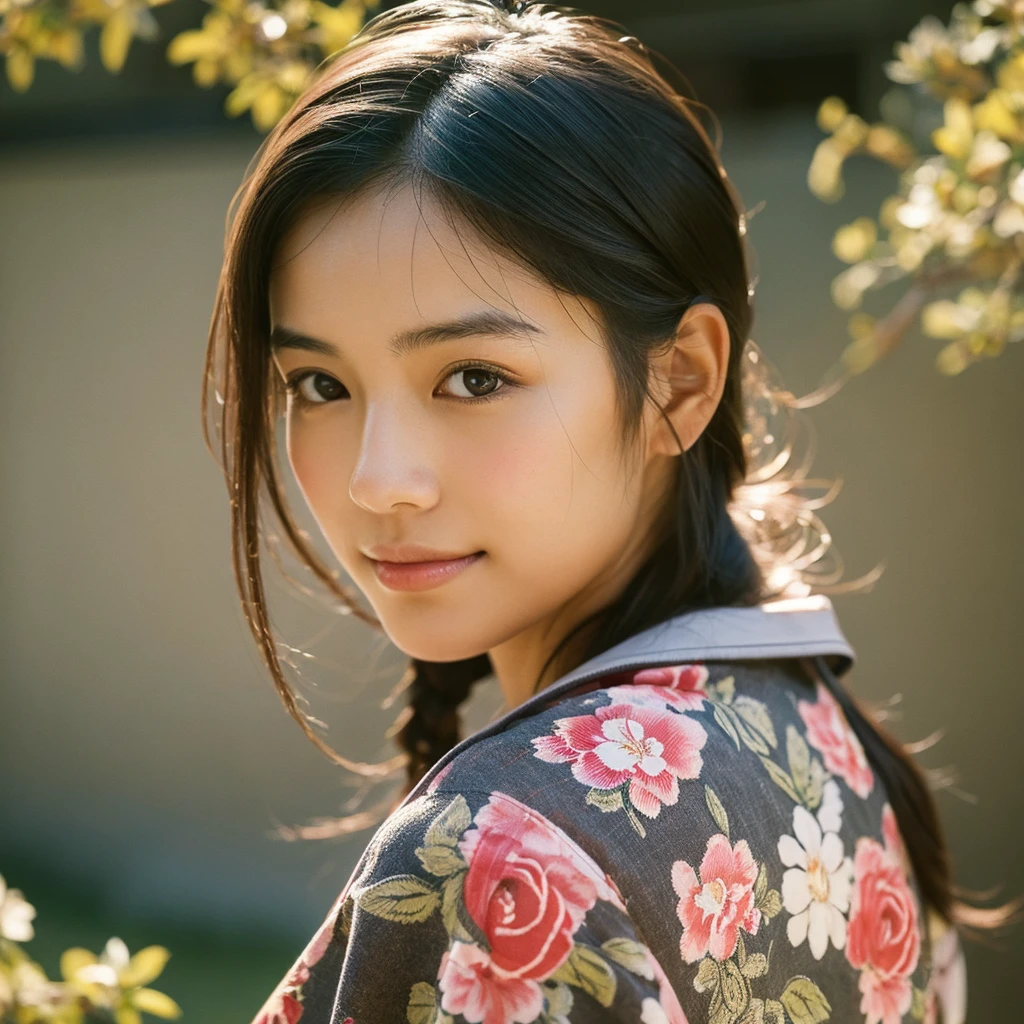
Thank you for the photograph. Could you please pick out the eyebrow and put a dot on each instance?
(486, 322)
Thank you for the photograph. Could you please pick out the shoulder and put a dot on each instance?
(472, 898)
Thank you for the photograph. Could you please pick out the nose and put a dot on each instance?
(393, 467)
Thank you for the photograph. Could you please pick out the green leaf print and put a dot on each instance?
(799, 759)
(725, 718)
(755, 965)
(586, 969)
(447, 828)
(630, 954)
(402, 898)
(724, 690)
(707, 974)
(771, 904)
(441, 859)
(816, 790)
(717, 810)
(606, 800)
(917, 1003)
(754, 1014)
(734, 987)
(422, 1008)
(781, 779)
(805, 1002)
(755, 714)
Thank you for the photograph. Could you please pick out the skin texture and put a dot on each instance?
(400, 448)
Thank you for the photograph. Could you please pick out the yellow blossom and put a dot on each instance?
(116, 980)
(956, 135)
(853, 242)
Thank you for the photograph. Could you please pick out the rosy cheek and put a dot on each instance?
(315, 466)
(513, 464)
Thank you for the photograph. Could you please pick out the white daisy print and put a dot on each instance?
(816, 888)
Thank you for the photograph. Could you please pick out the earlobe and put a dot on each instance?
(689, 379)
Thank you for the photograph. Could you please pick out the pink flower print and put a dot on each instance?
(830, 733)
(677, 686)
(471, 987)
(882, 940)
(714, 906)
(619, 744)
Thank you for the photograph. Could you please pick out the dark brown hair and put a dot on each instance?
(568, 148)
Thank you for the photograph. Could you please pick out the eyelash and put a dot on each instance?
(294, 382)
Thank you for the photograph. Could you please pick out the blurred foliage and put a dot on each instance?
(957, 220)
(267, 51)
(110, 988)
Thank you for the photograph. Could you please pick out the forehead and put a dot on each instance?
(383, 263)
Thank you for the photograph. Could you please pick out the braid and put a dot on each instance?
(433, 725)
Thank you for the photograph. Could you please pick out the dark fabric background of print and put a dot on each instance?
(370, 980)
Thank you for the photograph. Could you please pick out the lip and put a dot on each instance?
(411, 567)
(410, 553)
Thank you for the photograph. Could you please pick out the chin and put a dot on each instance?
(433, 645)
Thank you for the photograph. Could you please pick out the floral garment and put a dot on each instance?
(703, 841)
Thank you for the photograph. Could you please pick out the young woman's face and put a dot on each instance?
(444, 401)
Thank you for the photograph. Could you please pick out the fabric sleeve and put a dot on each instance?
(474, 907)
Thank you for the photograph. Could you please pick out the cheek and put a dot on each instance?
(318, 461)
(552, 480)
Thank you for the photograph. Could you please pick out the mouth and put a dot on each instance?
(424, 575)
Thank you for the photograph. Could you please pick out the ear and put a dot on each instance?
(688, 379)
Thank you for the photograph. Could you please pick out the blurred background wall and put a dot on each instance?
(145, 757)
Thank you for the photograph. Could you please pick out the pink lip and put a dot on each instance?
(421, 575)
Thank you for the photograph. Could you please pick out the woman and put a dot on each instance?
(490, 269)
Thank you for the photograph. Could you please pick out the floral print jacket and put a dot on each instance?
(683, 829)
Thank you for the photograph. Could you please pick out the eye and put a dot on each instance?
(474, 382)
(314, 388)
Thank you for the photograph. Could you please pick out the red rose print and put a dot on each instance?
(648, 748)
(829, 732)
(882, 940)
(715, 905)
(528, 889)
